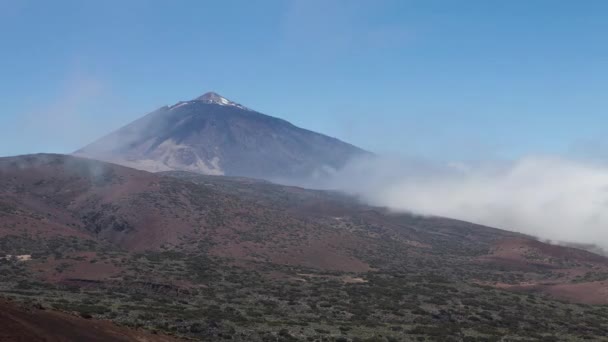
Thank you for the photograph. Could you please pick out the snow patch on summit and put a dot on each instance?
(215, 98)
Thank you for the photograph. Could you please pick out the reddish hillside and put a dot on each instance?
(18, 324)
(135, 210)
(217, 258)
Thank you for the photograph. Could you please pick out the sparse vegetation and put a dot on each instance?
(225, 260)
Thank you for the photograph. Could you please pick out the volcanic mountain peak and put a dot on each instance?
(213, 135)
(215, 98)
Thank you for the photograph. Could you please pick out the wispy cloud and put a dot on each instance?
(548, 197)
(64, 120)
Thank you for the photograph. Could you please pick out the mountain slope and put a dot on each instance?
(39, 325)
(212, 135)
(222, 258)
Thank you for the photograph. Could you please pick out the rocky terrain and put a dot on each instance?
(222, 258)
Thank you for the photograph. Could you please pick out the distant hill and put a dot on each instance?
(213, 135)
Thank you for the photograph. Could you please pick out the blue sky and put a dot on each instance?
(447, 80)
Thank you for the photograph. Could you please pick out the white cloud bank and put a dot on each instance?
(551, 198)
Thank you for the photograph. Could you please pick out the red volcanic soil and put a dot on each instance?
(326, 253)
(321, 257)
(594, 292)
(19, 324)
(82, 269)
(529, 254)
(51, 195)
(45, 196)
(553, 270)
(529, 249)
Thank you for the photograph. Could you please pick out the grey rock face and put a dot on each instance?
(213, 135)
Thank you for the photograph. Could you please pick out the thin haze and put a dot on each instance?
(459, 84)
(548, 197)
